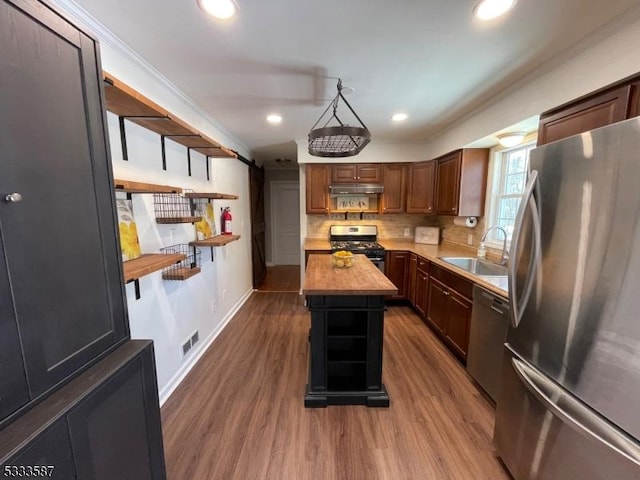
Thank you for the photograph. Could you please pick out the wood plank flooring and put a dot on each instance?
(281, 278)
(239, 414)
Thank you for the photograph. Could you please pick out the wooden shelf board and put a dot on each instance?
(217, 241)
(211, 195)
(149, 263)
(181, 273)
(124, 101)
(140, 187)
(171, 220)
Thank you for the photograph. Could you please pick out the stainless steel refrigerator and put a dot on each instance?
(569, 405)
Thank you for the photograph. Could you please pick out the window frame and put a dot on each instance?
(496, 179)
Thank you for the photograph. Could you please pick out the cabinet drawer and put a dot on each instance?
(451, 280)
(423, 265)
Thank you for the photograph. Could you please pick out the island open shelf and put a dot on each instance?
(217, 241)
(149, 263)
(347, 330)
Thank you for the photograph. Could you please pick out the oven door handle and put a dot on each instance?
(376, 259)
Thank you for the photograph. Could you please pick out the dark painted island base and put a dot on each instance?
(379, 398)
(345, 364)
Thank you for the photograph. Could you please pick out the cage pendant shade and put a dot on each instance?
(339, 140)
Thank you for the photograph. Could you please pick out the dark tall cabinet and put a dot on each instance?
(62, 305)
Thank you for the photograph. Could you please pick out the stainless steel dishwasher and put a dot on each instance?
(489, 323)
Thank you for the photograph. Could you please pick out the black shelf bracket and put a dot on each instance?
(164, 152)
(207, 163)
(123, 139)
(136, 286)
(189, 160)
(123, 131)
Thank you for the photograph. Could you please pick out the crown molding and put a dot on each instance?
(86, 21)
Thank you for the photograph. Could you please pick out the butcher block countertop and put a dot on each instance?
(364, 278)
(497, 285)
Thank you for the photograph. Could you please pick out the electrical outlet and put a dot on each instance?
(186, 346)
(224, 295)
(194, 338)
(407, 232)
(470, 239)
(212, 307)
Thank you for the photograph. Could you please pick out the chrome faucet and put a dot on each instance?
(505, 254)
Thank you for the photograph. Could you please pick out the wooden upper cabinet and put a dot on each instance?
(420, 187)
(585, 114)
(369, 173)
(461, 182)
(317, 188)
(634, 104)
(393, 179)
(356, 173)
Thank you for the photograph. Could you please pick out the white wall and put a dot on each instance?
(169, 312)
(606, 57)
(375, 152)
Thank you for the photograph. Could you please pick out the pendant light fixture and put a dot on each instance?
(341, 140)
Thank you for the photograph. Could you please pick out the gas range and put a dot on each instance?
(357, 239)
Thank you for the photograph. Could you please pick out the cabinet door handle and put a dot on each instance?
(14, 197)
(445, 293)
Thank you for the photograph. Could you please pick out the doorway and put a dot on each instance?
(285, 222)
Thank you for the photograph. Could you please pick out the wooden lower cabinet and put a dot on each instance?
(422, 293)
(104, 424)
(396, 270)
(412, 274)
(437, 308)
(449, 313)
(458, 322)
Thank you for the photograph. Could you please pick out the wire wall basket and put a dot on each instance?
(174, 208)
(184, 269)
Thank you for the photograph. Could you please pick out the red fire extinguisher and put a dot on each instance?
(226, 221)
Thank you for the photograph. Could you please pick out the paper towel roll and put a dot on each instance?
(465, 221)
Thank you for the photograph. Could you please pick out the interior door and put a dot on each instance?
(256, 191)
(285, 214)
(60, 239)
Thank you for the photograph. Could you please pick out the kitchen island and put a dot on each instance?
(347, 330)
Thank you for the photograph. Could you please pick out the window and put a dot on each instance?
(508, 180)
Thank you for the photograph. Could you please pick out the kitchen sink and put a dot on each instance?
(477, 266)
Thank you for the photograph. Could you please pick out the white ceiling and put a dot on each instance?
(428, 58)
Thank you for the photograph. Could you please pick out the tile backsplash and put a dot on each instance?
(393, 226)
(389, 226)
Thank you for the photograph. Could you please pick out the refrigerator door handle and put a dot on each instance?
(528, 201)
(573, 413)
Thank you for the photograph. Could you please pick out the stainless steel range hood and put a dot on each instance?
(355, 189)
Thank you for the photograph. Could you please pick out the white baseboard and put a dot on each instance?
(195, 356)
(270, 264)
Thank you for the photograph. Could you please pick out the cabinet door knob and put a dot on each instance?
(14, 197)
(445, 293)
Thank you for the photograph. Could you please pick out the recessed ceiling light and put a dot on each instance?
(399, 117)
(222, 9)
(489, 9)
(274, 118)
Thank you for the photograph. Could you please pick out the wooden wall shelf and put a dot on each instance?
(140, 187)
(217, 241)
(213, 196)
(126, 102)
(149, 263)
